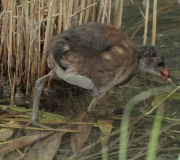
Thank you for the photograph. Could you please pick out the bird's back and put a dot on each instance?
(96, 51)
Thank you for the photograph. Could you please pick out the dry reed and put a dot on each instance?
(26, 27)
(146, 22)
(154, 23)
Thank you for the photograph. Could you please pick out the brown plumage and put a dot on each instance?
(96, 56)
(98, 52)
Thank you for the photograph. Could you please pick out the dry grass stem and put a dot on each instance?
(104, 11)
(84, 9)
(120, 14)
(146, 22)
(163, 9)
(154, 21)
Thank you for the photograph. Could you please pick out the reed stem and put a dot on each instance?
(154, 23)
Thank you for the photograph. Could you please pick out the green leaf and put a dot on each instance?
(52, 116)
(161, 97)
(46, 115)
(154, 138)
(20, 109)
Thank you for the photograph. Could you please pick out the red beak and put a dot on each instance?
(165, 75)
(165, 72)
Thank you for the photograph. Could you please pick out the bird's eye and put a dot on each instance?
(160, 64)
(66, 38)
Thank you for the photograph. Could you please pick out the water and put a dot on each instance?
(168, 31)
(167, 40)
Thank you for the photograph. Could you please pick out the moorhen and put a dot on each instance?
(97, 56)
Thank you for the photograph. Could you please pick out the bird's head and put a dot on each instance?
(151, 60)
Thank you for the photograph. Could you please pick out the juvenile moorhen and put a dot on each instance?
(97, 56)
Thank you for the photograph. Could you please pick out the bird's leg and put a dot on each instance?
(92, 105)
(38, 90)
(91, 110)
